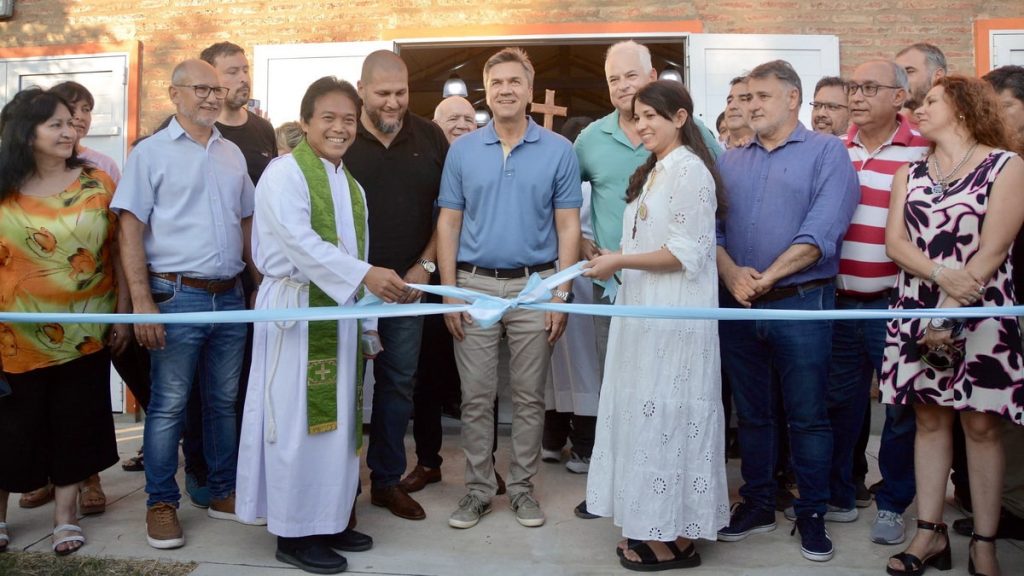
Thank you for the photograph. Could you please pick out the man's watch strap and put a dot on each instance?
(427, 265)
(566, 297)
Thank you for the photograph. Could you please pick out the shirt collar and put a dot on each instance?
(404, 132)
(175, 131)
(610, 125)
(903, 135)
(532, 132)
(799, 134)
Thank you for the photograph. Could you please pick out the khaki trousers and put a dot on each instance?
(477, 359)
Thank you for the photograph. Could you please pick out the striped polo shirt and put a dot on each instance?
(864, 269)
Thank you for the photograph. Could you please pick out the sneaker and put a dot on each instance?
(198, 492)
(887, 528)
(163, 531)
(578, 464)
(747, 520)
(815, 543)
(470, 509)
(551, 456)
(863, 498)
(832, 514)
(224, 509)
(527, 510)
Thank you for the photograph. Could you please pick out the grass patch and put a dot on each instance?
(45, 564)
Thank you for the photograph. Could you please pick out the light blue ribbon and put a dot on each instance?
(486, 310)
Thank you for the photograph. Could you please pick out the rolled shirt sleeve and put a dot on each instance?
(835, 196)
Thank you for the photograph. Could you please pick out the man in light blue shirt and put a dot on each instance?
(185, 204)
(510, 199)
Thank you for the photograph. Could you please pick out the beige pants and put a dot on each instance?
(477, 359)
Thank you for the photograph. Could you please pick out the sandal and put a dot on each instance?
(37, 497)
(91, 499)
(914, 566)
(78, 537)
(5, 538)
(975, 537)
(649, 560)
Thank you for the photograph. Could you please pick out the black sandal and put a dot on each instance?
(649, 560)
(914, 566)
(630, 544)
(975, 537)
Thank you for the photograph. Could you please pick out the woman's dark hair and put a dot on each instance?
(18, 121)
(73, 92)
(668, 97)
(323, 86)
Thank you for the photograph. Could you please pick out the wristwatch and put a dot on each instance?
(429, 266)
(567, 297)
(941, 324)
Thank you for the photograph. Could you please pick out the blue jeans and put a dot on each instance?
(856, 355)
(394, 373)
(896, 459)
(799, 351)
(217, 350)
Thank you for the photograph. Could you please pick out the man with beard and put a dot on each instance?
(187, 186)
(924, 64)
(397, 157)
(831, 111)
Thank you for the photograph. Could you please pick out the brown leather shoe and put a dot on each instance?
(91, 499)
(419, 478)
(397, 501)
(501, 483)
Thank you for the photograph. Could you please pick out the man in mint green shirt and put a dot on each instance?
(609, 151)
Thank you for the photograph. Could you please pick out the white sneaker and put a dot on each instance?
(578, 464)
(552, 456)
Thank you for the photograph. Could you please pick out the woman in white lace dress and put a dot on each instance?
(658, 466)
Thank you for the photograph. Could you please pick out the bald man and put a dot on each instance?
(187, 186)
(397, 157)
(456, 116)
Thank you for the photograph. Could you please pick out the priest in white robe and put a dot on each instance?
(298, 463)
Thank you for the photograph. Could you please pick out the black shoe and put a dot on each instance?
(783, 498)
(1010, 526)
(310, 554)
(349, 541)
(874, 488)
(581, 511)
(863, 498)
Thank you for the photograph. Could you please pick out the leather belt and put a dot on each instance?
(504, 273)
(862, 297)
(211, 286)
(788, 291)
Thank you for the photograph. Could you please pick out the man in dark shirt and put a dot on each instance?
(398, 158)
(254, 135)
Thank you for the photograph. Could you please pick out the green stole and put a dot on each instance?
(322, 366)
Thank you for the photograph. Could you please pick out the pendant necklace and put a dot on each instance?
(641, 210)
(942, 182)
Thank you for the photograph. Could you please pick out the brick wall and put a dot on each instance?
(172, 31)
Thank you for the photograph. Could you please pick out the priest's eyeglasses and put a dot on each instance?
(868, 90)
(203, 91)
(827, 106)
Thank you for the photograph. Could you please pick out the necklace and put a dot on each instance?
(642, 211)
(943, 181)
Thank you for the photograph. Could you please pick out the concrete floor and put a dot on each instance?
(498, 545)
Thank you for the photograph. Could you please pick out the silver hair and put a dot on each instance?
(642, 52)
(781, 70)
(932, 54)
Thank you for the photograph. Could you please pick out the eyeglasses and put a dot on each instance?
(868, 90)
(827, 106)
(203, 91)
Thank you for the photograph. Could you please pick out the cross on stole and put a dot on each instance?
(548, 109)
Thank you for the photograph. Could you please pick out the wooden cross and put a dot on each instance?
(548, 109)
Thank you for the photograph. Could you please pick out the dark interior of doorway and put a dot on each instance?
(574, 70)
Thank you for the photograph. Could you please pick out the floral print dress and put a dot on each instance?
(55, 257)
(947, 227)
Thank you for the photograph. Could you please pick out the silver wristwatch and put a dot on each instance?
(429, 266)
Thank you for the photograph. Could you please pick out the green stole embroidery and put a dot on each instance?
(322, 367)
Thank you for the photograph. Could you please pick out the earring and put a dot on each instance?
(961, 117)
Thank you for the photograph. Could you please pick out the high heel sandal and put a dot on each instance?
(914, 566)
(975, 537)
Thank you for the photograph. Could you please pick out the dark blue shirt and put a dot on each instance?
(802, 192)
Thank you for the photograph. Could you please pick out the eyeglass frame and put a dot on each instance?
(219, 92)
(851, 88)
(828, 106)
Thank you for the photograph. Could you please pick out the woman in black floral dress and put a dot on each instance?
(952, 220)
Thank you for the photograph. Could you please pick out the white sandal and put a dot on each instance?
(5, 537)
(68, 539)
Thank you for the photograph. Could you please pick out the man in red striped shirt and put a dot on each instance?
(880, 140)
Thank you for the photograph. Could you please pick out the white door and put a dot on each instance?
(281, 73)
(105, 76)
(1007, 48)
(715, 59)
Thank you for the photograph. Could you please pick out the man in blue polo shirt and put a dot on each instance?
(791, 194)
(510, 199)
